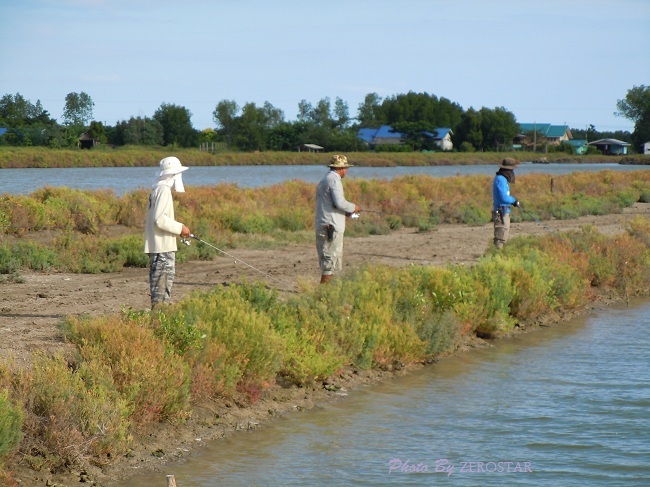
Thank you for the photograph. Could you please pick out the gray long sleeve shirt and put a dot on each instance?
(331, 205)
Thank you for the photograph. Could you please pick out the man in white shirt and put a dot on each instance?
(331, 211)
(161, 230)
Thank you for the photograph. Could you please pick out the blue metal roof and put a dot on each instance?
(367, 134)
(442, 132)
(386, 132)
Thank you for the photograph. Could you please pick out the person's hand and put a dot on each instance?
(357, 209)
(185, 232)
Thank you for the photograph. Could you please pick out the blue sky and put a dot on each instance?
(549, 61)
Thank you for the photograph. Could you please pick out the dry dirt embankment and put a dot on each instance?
(30, 311)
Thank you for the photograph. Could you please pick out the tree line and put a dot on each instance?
(264, 128)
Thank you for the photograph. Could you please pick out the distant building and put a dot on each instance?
(386, 135)
(310, 148)
(552, 134)
(645, 148)
(87, 142)
(611, 146)
(579, 145)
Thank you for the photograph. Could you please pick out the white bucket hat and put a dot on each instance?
(171, 166)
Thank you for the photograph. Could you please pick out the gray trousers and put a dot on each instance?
(162, 270)
(330, 252)
(501, 230)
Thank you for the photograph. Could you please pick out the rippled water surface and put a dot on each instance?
(567, 405)
(124, 179)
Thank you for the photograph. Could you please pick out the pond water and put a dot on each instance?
(565, 405)
(125, 179)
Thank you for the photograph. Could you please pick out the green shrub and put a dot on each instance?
(25, 255)
(251, 344)
(153, 381)
(76, 413)
(11, 420)
(491, 276)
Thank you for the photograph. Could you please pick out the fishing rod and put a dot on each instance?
(235, 259)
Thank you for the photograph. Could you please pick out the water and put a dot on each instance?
(125, 179)
(567, 405)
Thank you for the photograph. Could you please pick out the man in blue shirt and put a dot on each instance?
(502, 200)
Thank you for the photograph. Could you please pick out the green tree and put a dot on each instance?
(225, 118)
(252, 128)
(138, 131)
(419, 135)
(468, 131)
(304, 109)
(341, 113)
(421, 107)
(636, 107)
(16, 111)
(176, 124)
(369, 112)
(78, 110)
(29, 124)
(320, 115)
(288, 136)
(98, 132)
(499, 128)
(272, 116)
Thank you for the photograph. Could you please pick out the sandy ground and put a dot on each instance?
(31, 310)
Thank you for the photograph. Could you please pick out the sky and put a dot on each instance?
(551, 61)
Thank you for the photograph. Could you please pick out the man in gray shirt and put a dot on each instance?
(331, 211)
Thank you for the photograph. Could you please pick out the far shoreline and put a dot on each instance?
(132, 156)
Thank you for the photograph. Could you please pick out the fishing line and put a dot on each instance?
(383, 213)
(538, 221)
(235, 259)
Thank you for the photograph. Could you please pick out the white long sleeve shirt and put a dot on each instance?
(161, 229)
(331, 205)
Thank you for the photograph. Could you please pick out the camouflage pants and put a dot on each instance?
(501, 230)
(330, 252)
(162, 270)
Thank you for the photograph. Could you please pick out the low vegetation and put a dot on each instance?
(97, 231)
(131, 370)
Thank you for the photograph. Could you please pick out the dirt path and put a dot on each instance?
(30, 311)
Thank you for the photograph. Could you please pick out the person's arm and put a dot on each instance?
(338, 199)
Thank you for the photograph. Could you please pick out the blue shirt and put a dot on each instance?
(501, 193)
